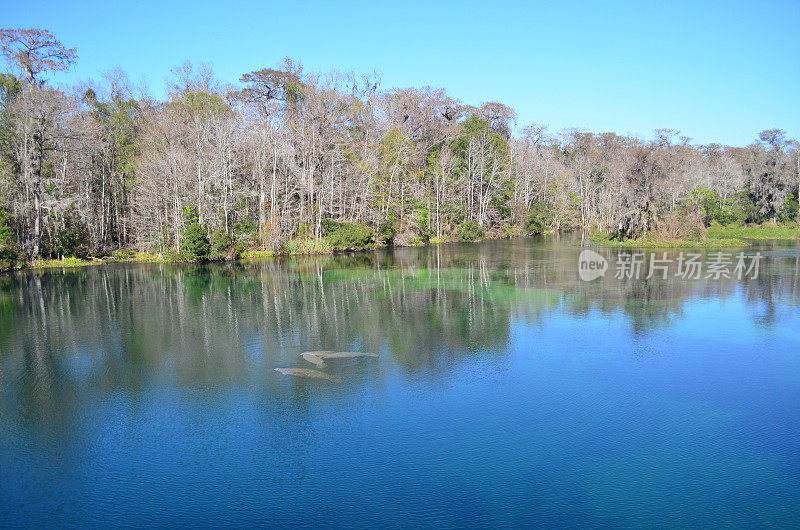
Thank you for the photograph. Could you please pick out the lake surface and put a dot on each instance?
(506, 391)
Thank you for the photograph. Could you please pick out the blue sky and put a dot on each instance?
(716, 71)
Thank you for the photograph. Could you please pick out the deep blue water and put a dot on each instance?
(506, 392)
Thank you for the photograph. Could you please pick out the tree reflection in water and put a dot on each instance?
(72, 333)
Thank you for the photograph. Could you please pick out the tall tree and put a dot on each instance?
(35, 51)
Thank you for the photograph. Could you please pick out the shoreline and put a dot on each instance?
(144, 257)
(719, 237)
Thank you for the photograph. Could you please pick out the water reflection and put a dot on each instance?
(422, 309)
(128, 386)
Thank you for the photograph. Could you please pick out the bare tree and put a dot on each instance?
(291, 153)
(35, 51)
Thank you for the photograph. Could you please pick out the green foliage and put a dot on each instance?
(294, 94)
(387, 231)
(195, 245)
(245, 231)
(132, 256)
(190, 215)
(765, 231)
(502, 199)
(348, 236)
(422, 224)
(395, 147)
(171, 255)
(650, 240)
(710, 204)
(202, 102)
(511, 231)
(469, 231)
(276, 84)
(119, 117)
(304, 231)
(395, 152)
(223, 246)
(477, 128)
(790, 209)
(10, 87)
(738, 209)
(65, 262)
(482, 155)
(744, 203)
(139, 160)
(306, 245)
(8, 254)
(538, 219)
(257, 254)
(71, 241)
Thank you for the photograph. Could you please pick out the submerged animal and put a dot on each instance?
(307, 372)
(345, 354)
(313, 358)
(318, 357)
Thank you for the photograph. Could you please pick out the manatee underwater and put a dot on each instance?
(318, 357)
(307, 372)
(315, 357)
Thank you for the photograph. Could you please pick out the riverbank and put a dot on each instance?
(763, 231)
(717, 236)
(309, 248)
(292, 247)
(122, 257)
(650, 241)
(128, 257)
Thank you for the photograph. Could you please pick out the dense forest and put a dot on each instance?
(293, 161)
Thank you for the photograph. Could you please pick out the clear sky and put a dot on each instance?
(716, 71)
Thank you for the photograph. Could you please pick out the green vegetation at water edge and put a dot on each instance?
(762, 231)
(385, 166)
(257, 254)
(470, 231)
(116, 257)
(306, 246)
(348, 236)
(651, 241)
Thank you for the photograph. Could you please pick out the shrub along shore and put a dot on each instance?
(197, 246)
(342, 237)
(714, 236)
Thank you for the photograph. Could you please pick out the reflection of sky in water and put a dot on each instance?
(506, 391)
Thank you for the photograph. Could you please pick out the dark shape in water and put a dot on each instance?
(313, 359)
(307, 372)
(318, 357)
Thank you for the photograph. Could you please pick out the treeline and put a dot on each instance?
(301, 162)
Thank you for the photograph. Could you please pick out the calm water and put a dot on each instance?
(505, 391)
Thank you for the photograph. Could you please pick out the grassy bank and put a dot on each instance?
(197, 245)
(650, 241)
(257, 254)
(763, 231)
(719, 237)
(292, 247)
(117, 257)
